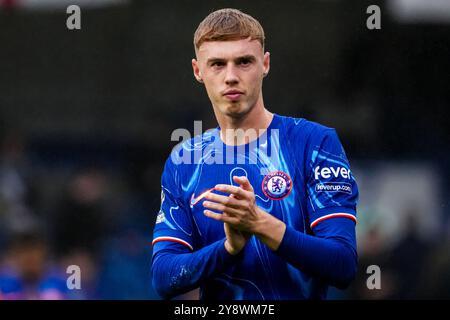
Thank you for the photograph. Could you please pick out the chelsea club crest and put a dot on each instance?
(277, 185)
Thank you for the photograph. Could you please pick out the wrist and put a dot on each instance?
(230, 249)
(270, 230)
(265, 223)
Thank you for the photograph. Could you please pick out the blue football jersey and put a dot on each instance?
(300, 175)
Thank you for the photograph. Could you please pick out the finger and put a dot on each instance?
(237, 191)
(244, 182)
(220, 217)
(220, 207)
(228, 201)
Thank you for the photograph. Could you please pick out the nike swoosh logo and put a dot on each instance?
(195, 200)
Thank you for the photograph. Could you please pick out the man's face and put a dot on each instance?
(232, 72)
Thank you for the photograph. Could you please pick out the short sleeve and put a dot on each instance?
(173, 222)
(331, 186)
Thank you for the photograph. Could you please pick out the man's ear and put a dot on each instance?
(196, 70)
(266, 63)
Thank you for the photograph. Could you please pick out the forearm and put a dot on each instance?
(331, 256)
(328, 258)
(174, 273)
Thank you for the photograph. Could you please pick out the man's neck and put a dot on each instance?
(237, 131)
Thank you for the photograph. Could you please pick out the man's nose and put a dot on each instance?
(231, 76)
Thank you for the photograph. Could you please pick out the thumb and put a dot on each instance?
(244, 182)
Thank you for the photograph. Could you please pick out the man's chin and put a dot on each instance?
(236, 111)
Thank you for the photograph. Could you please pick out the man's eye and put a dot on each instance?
(217, 64)
(244, 62)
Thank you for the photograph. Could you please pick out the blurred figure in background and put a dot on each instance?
(409, 259)
(28, 272)
(403, 265)
(436, 284)
(79, 227)
(79, 222)
(16, 192)
(373, 251)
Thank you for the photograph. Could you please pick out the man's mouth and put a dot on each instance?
(233, 94)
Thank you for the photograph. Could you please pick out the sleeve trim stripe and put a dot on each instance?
(333, 215)
(158, 239)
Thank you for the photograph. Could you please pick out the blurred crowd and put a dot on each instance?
(86, 216)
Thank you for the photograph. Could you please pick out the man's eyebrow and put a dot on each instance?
(241, 58)
(249, 57)
(211, 60)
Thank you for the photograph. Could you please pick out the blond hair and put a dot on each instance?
(228, 24)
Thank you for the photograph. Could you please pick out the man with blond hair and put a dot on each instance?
(261, 207)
